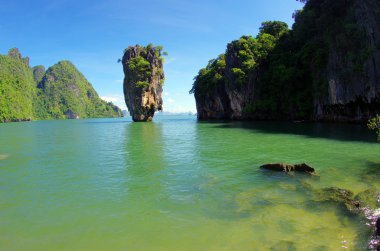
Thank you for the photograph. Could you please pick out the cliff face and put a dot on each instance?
(38, 73)
(326, 68)
(226, 88)
(353, 68)
(228, 97)
(143, 81)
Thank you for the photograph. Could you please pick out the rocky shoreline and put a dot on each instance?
(366, 204)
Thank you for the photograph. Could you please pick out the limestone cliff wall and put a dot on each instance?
(227, 100)
(353, 74)
(343, 85)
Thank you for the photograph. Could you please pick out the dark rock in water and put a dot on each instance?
(284, 246)
(282, 167)
(321, 248)
(364, 204)
(341, 196)
(337, 194)
(144, 78)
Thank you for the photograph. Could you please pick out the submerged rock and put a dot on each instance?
(282, 167)
(339, 195)
(364, 204)
(367, 198)
(143, 81)
(3, 156)
(284, 246)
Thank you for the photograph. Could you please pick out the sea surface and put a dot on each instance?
(179, 184)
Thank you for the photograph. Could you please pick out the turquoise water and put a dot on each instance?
(176, 184)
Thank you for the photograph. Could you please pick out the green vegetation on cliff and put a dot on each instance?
(60, 92)
(246, 55)
(296, 74)
(65, 93)
(210, 76)
(144, 77)
(17, 88)
(325, 67)
(140, 68)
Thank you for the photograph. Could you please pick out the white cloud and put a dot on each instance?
(166, 94)
(111, 99)
(116, 100)
(119, 81)
(170, 100)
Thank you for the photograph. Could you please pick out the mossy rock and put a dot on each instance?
(284, 246)
(368, 198)
(340, 196)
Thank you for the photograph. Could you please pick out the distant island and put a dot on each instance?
(326, 68)
(60, 92)
(144, 78)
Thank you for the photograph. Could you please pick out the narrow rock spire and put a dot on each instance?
(143, 81)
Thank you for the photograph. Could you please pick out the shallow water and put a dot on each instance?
(176, 184)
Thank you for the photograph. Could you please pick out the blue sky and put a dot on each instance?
(93, 34)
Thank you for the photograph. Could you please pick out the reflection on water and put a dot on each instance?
(144, 163)
(175, 184)
(342, 132)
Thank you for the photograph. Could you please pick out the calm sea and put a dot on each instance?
(177, 184)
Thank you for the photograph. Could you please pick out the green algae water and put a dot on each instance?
(177, 184)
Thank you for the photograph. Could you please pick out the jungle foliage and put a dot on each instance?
(61, 92)
(288, 66)
(142, 66)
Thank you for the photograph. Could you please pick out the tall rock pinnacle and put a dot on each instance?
(143, 81)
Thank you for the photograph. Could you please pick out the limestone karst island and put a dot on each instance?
(259, 130)
(143, 81)
(33, 93)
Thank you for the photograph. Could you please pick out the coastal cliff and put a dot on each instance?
(143, 81)
(327, 68)
(353, 64)
(222, 93)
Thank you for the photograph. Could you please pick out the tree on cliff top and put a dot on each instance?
(274, 28)
(250, 52)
